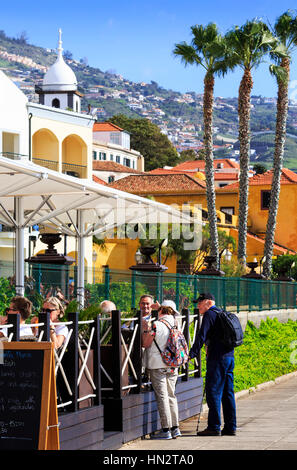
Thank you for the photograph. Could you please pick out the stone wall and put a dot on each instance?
(282, 315)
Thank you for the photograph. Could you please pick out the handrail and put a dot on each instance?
(72, 359)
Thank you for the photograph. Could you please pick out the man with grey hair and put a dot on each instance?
(107, 307)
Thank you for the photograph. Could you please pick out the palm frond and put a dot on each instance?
(187, 54)
(203, 35)
(280, 73)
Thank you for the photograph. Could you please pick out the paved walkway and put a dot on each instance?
(266, 418)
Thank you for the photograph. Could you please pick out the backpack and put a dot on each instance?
(176, 352)
(230, 332)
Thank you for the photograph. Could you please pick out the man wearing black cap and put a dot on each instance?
(219, 371)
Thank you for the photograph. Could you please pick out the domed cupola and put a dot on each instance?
(59, 86)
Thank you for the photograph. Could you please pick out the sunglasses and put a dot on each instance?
(12, 309)
(48, 310)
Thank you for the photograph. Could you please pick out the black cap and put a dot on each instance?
(204, 296)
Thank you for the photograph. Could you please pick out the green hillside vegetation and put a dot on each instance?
(264, 144)
(225, 116)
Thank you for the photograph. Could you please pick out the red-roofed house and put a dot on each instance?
(225, 164)
(226, 170)
(111, 143)
(221, 178)
(110, 171)
(259, 196)
(174, 187)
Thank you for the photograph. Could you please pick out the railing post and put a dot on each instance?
(97, 360)
(260, 293)
(195, 286)
(270, 294)
(137, 352)
(117, 353)
(72, 361)
(133, 288)
(198, 373)
(186, 314)
(45, 319)
(224, 281)
(106, 282)
(238, 294)
(14, 319)
(177, 286)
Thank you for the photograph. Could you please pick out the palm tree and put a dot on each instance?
(285, 29)
(247, 46)
(205, 51)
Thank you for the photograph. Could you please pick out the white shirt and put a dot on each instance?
(61, 329)
(152, 356)
(25, 330)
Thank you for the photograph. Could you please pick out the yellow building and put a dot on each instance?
(181, 188)
(172, 189)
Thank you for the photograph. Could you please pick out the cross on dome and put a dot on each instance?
(59, 77)
(60, 48)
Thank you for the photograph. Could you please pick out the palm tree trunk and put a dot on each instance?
(280, 139)
(244, 110)
(209, 170)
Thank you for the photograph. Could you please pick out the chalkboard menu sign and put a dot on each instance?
(26, 386)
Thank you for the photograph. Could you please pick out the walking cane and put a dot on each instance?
(203, 395)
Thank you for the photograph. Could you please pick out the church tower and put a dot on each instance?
(59, 87)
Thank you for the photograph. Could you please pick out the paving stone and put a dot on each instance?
(267, 420)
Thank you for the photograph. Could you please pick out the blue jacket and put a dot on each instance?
(207, 335)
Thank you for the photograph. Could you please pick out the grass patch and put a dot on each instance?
(267, 353)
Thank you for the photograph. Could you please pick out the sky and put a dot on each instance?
(136, 39)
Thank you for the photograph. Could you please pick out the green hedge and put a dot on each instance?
(267, 353)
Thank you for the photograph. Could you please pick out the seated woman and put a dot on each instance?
(23, 306)
(58, 332)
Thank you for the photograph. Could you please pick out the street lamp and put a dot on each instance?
(163, 243)
(138, 257)
(227, 255)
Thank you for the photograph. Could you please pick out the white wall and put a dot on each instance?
(13, 115)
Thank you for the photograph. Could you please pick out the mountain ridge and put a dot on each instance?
(179, 115)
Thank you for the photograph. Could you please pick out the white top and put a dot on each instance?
(61, 329)
(25, 330)
(152, 356)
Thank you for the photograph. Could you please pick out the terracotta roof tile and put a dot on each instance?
(98, 180)
(287, 177)
(217, 175)
(200, 164)
(107, 165)
(106, 127)
(150, 183)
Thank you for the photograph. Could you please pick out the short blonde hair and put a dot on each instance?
(56, 303)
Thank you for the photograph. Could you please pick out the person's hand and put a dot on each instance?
(156, 306)
(3, 319)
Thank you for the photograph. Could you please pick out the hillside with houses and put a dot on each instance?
(178, 115)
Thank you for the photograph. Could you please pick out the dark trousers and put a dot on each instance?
(219, 390)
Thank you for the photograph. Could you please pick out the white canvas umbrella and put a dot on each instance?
(33, 195)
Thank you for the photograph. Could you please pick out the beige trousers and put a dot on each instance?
(164, 382)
